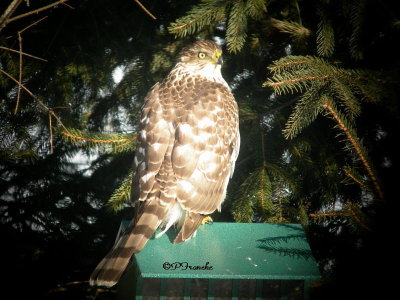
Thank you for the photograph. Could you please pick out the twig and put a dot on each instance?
(98, 141)
(145, 9)
(67, 5)
(188, 23)
(20, 61)
(275, 109)
(35, 11)
(356, 147)
(51, 133)
(287, 64)
(16, 81)
(298, 12)
(23, 53)
(20, 72)
(358, 181)
(356, 218)
(33, 24)
(332, 214)
(4, 19)
(49, 110)
(36, 98)
(278, 83)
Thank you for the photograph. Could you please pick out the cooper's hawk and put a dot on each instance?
(188, 142)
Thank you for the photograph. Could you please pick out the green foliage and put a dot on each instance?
(295, 29)
(236, 15)
(237, 24)
(121, 195)
(356, 15)
(320, 80)
(208, 12)
(110, 143)
(350, 214)
(325, 35)
(257, 190)
(323, 85)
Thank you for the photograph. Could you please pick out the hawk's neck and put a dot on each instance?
(209, 72)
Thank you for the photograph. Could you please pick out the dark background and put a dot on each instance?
(55, 223)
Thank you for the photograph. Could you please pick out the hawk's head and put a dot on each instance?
(202, 58)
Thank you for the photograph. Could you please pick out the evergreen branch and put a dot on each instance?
(360, 219)
(331, 214)
(350, 173)
(36, 98)
(295, 29)
(280, 175)
(237, 24)
(264, 191)
(355, 143)
(242, 210)
(117, 140)
(357, 13)
(346, 96)
(255, 189)
(305, 112)
(293, 63)
(209, 11)
(276, 66)
(294, 73)
(368, 83)
(255, 8)
(121, 195)
(295, 80)
(325, 35)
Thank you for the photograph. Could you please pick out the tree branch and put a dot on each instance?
(23, 53)
(4, 19)
(145, 9)
(34, 11)
(356, 146)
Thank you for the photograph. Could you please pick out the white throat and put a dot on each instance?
(210, 71)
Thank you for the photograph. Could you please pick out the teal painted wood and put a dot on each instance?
(231, 251)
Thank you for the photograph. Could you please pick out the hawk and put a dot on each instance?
(188, 142)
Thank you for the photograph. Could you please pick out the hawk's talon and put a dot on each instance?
(206, 220)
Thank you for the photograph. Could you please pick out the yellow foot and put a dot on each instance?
(206, 220)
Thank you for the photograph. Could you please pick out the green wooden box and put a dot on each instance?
(224, 261)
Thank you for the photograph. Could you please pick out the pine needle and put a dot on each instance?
(112, 142)
(121, 195)
(355, 143)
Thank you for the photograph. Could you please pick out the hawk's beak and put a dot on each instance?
(217, 58)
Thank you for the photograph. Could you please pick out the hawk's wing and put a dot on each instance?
(151, 162)
(152, 158)
(205, 150)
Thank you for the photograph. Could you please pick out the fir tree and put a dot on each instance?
(316, 88)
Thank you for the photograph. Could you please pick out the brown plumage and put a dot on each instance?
(188, 142)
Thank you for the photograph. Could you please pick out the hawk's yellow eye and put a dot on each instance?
(202, 55)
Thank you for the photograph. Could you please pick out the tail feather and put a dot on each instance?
(190, 225)
(111, 268)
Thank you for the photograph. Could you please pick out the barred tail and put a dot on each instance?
(110, 269)
(190, 225)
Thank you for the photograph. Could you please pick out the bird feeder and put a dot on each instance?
(224, 260)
